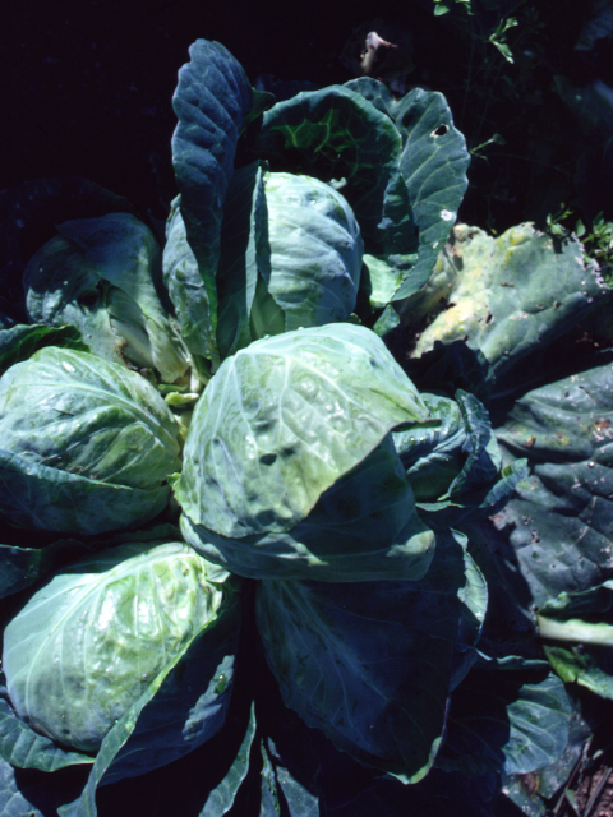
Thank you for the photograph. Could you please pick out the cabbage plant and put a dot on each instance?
(300, 597)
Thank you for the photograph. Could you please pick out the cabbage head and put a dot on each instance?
(313, 268)
(290, 470)
(87, 645)
(86, 446)
(291, 256)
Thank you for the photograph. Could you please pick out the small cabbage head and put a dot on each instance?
(88, 644)
(291, 256)
(312, 271)
(86, 446)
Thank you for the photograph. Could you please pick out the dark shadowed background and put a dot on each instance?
(87, 87)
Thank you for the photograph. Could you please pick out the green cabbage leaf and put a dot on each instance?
(100, 275)
(210, 101)
(371, 663)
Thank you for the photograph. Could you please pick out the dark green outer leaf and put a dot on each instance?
(398, 234)
(220, 800)
(459, 458)
(237, 275)
(300, 801)
(483, 460)
(292, 751)
(552, 779)
(375, 92)
(563, 512)
(13, 803)
(475, 603)
(555, 551)
(479, 506)
(101, 274)
(20, 567)
(513, 716)
(37, 497)
(336, 133)
(455, 470)
(433, 162)
(187, 292)
(539, 726)
(569, 421)
(594, 607)
(433, 456)
(369, 663)
(38, 794)
(20, 342)
(262, 101)
(590, 666)
(388, 320)
(441, 794)
(269, 802)
(210, 101)
(401, 232)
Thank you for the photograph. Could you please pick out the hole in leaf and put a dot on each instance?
(93, 298)
(88, 299)
(440, 131)
(409, 119)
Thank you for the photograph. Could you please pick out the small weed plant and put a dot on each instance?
(597, 240)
